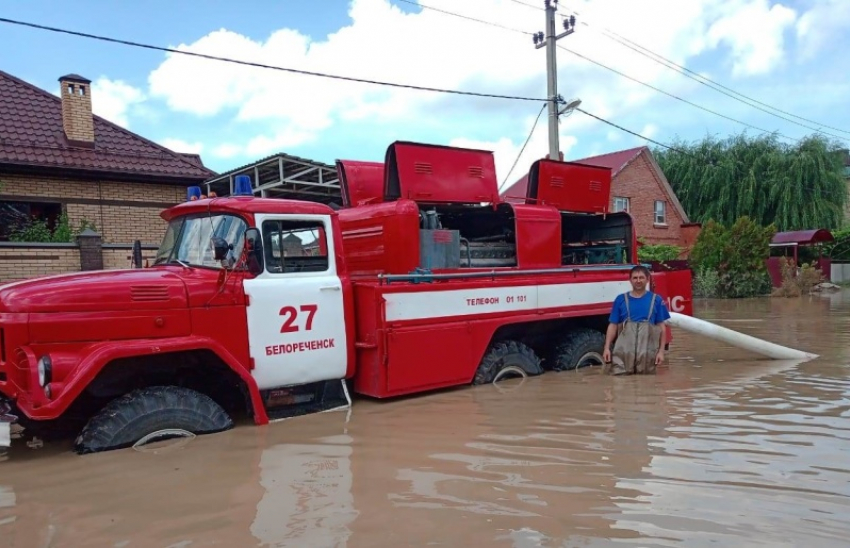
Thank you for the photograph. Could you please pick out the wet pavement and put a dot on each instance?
(721, 448)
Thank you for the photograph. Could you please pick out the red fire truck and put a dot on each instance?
(268, 308)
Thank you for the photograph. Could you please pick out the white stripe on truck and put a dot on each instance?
(464, 302)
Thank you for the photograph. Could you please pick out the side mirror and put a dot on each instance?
(220, 248)
(254, 251)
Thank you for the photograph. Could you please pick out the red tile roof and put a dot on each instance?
(31, 135)
(616, 161)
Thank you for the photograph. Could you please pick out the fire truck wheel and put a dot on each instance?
(127, 419)
(580, 348)
(504, 355)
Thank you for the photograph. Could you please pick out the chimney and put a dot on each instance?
(77, 118)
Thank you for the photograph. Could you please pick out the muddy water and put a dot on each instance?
(719, 449)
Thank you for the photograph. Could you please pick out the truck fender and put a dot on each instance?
(100, 354)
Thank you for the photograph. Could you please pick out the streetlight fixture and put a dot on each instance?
(571, 105)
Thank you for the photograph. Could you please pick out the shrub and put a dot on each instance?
(658, 252)
(37, 231)
(795, 284)
(737, 255)
(706, 283)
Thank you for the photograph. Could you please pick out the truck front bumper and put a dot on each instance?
(6, 422)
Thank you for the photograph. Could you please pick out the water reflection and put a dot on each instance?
(721, 448)
(749, 464)
(308, 488)
(240, 488)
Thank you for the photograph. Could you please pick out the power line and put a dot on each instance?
(615, 71)
(468, 18)
(353, 79)
(708, 161)
(527, 139)
(708, 82)
(636, 134)
(261, 65)
(521, 3)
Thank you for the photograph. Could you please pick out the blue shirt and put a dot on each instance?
(639, 308)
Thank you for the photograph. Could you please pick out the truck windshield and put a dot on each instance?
(189, 240)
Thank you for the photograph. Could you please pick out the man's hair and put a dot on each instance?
(639, 268)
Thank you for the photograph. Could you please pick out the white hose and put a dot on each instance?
(716, 332)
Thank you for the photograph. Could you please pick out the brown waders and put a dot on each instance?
(636, 345)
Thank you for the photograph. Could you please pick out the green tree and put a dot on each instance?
(793, 186)
(733, 259)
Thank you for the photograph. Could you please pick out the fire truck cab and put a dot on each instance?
(269, 308)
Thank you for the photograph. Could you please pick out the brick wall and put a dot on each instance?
(119, 256)
(21, 261)
(640, 183)
(121, 212)
(690, 233)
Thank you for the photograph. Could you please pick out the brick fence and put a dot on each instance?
(22, 260)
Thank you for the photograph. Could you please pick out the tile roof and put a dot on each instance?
(616, 161)
(32, 135)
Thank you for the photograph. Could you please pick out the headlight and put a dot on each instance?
(44, 370)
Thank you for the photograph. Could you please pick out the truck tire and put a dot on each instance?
(582, 347)
(127, 419)
(505, 355)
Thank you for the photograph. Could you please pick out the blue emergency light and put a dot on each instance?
(242, 186)
(193, 193)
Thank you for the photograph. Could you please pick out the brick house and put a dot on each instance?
(57, 157)
(638, 186)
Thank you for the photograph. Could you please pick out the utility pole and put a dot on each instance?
(548, 40)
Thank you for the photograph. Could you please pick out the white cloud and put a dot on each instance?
(432, 49)
(112, 99)
(263, 145)
(227, 150)
(755, 31)
(818, 26)
(179, 145)
(649, 130)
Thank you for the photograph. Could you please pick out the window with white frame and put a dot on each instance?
(660, 212)
(621, 204)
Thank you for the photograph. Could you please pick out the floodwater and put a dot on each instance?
(719, 449)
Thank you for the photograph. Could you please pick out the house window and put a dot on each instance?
(621, 204)
(660, 212)
(16, 218)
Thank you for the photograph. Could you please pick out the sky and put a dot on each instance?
(787, 55)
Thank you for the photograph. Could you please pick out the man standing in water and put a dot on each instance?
(637, 321)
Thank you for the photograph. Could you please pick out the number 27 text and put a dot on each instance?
(291, 314)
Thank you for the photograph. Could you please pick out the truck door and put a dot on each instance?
(296, 329)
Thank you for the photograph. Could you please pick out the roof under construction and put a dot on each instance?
(284, 176)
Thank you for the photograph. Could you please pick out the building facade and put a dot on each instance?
(59, 160)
